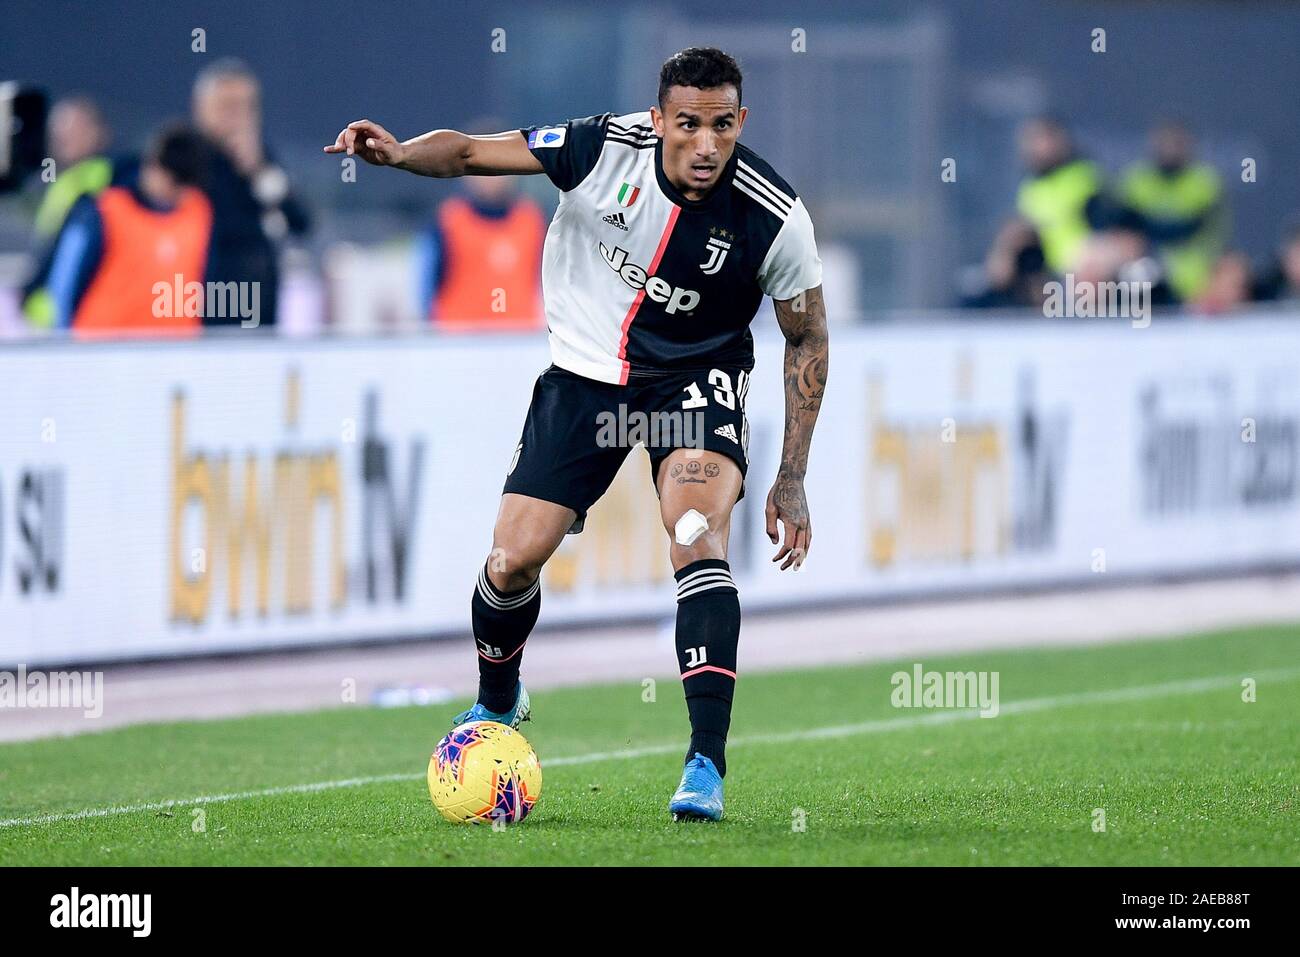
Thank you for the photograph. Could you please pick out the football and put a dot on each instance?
(483, 772)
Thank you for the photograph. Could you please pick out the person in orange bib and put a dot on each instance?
(480, 263)
(130, 262)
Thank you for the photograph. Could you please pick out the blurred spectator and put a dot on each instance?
(1281, 281)
(252, 206)
(118, 250)
(1123, 255)
(1181, 206)
(78, 138)
(1229, 286)
(1062, 197)
(1014, 270)
(480, 260)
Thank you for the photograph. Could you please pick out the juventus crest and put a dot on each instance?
(717, 247)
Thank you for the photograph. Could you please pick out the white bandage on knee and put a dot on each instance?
(690, 527)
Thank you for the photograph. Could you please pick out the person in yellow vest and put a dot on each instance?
(480, 263)
(1181, 205)
(1063, 195)
(78, 137)
(127, 261)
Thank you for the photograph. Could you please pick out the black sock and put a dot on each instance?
(502, 622)
(708, 631)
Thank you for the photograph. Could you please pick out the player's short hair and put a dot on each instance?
(701, 67)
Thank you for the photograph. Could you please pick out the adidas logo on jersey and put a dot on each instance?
(727, 432)
(675, 298)
(616, 220)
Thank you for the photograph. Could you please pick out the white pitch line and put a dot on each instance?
(203, 799)
(1137, 692)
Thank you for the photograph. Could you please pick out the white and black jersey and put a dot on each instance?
(637, 279)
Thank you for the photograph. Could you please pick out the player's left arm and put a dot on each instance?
(807, 350)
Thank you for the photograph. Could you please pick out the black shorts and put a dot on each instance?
(579, 430)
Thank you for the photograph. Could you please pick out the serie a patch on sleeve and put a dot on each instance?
(550, 136)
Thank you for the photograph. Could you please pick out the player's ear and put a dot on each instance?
(657, 121)
(740, 119)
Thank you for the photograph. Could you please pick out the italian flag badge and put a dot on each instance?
(627, 194)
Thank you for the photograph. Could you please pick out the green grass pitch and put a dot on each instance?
(1154, 733)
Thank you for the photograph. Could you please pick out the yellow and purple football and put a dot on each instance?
(483, 772)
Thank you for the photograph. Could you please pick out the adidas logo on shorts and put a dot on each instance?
(727, 431)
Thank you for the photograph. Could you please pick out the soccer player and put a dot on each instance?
(668, 234)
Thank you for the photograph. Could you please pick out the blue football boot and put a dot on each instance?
(521, 712)
(699, 796)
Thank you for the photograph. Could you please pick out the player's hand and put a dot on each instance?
(370, 141)
(787, 503)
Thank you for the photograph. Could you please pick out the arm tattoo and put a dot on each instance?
(803, 320)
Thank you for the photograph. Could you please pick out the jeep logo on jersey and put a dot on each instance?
(676, 299)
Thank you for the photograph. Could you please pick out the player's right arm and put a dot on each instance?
(440, 153)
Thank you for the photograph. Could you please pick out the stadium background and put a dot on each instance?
(1099, 485)
(860, 124)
